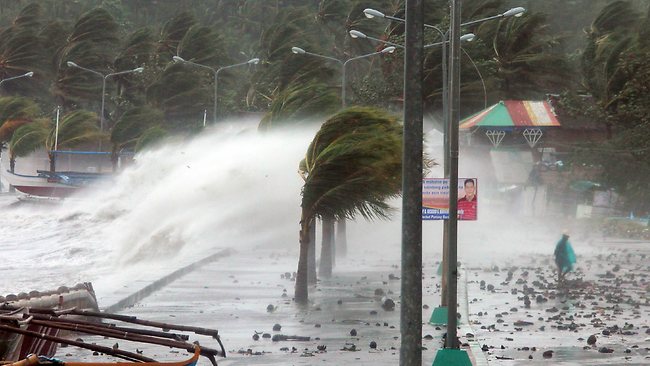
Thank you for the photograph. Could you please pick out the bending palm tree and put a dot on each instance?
(75, 128)
(352, 167)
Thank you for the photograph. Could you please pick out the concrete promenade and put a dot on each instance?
(517, 315)
(242, 296)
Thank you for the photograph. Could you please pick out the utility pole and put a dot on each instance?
(452, 354)
(454, 110)
(411, 284)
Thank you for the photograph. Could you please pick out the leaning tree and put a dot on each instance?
(352, 166)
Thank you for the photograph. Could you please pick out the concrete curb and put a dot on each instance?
(162, 282)
(477, 355)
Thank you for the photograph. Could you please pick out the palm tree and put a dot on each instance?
(182, 94)
(613, 38)
(202, 45)
(172, 34)
(527, 61)
(27, 139)
(91, 44)
(281, 68)
(131, 126)
(20, 50)
(139, 50)
(14, 113)
(352, 167)
(299, 103)
(151, 137)
(610, 35)
(75, 128)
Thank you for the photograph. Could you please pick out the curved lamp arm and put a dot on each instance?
(25, 75)
(72, 64)
(300, 51)
(138, 70)
(180, 59)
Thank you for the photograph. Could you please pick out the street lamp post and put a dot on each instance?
(516, 12)
(300, 51)
(104, 78)
(25, 75)
(253, 61)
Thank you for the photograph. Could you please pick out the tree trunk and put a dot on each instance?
(302, 289)
(52, 157)
(311, 263)
(325, 268)
(115, 156)
(341, 238)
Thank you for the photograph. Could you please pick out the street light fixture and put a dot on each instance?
(300, 51)
(25, 75)
(253, 61)
(104, 78)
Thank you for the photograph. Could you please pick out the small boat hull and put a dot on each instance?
(51, 184)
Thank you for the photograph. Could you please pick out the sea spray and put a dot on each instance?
(225, 188)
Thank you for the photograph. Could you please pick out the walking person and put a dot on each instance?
(564, 257)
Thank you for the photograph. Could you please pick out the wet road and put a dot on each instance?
(234, 294)
(608, 298)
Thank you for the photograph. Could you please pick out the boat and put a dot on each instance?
(34, 360)
(80, 169)
(16, 346)
(52, 184)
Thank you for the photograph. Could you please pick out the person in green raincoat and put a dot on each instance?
(564, 257)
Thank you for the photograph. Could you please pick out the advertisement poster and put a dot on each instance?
(435, 199)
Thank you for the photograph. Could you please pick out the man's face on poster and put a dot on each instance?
(470, 190)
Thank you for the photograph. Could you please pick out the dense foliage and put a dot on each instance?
(573, 47)
(111, 36)
(616, 77)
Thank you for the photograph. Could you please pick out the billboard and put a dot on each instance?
(435, 199)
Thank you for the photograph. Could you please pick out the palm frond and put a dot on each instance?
(353, 165)
(150, 138)
(30, 137)
(133, 123)
(75, 128)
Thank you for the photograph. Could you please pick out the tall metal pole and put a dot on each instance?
(445, 122)
(56, 129)
(101, 111)
(216, 89)
(454, 118)
(343, 92)
(411, 283)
